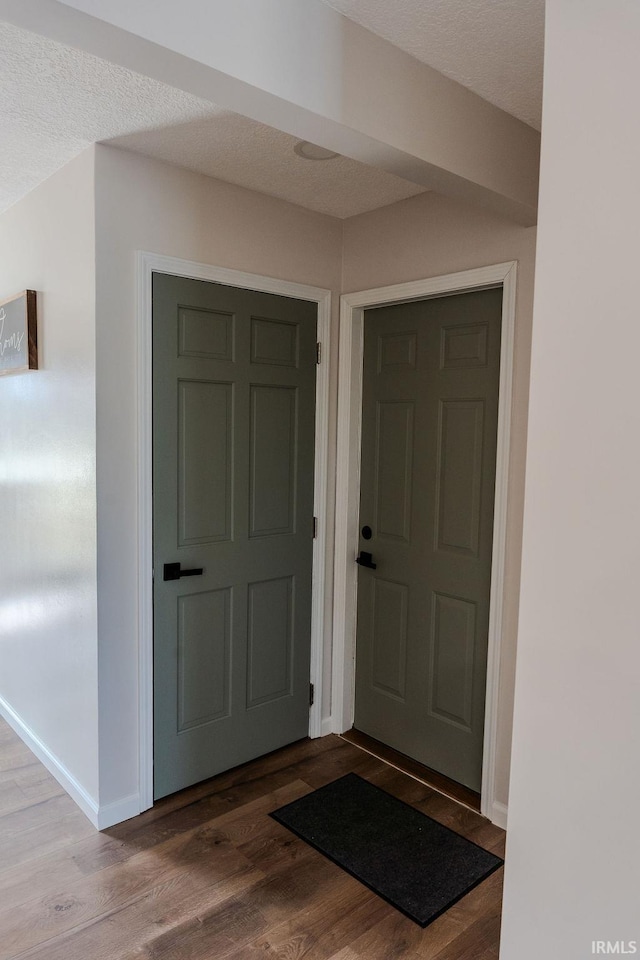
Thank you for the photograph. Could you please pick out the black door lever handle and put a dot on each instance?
(172, 571)
(366, 560)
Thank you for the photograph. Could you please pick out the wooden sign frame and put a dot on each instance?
(19, 333)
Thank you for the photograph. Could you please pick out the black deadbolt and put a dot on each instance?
(367, 533)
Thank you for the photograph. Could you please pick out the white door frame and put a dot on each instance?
(352, 307)
(146, 265)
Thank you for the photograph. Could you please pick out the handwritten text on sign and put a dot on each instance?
(18, 334)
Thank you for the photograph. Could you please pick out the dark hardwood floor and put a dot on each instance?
(207, 875)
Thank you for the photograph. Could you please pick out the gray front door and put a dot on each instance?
(430, 407)
(233, 467)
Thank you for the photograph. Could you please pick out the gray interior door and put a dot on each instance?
(233, 465)
(430, 406)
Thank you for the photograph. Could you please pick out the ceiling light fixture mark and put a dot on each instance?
(311, 151)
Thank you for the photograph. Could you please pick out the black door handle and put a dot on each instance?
(366, 560)
(172, 571)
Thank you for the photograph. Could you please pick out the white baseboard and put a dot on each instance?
(55, 767)
(326, 727)
(100, 817)
(111, 813)
(498, 814)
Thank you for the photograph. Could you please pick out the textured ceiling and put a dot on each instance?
(493, 47)
(56, 101)
(253, 155)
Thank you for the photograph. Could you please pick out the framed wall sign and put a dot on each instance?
(19, 333)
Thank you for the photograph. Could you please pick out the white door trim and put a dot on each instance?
(352, 307)
(146, 265)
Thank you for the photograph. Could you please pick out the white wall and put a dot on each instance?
(427, 236)
(146, 205)
(142, 204)
(573, 851)
(48, 646)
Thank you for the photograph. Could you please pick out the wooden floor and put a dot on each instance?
(418, 771)
(207, 875)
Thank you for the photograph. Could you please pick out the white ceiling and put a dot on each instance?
(56, 101)
(493, 47)
(253, 155)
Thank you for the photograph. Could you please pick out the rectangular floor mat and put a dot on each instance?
(413, 862)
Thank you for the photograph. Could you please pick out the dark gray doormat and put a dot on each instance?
(413, 862)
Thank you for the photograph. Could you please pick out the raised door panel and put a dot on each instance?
(459, 475)
(274, 342)
(390, 603)
(270, 640)
(463, 345)
(204, 658)
(273, 453)
(205, 431)
(205, 333)
(453, 643)
(397, 352)
(393, 468)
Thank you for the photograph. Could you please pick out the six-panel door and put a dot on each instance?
(234, 431)
(430, 404)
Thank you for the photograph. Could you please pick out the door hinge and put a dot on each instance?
(311, 694)
(315, 527)
(318, 352)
